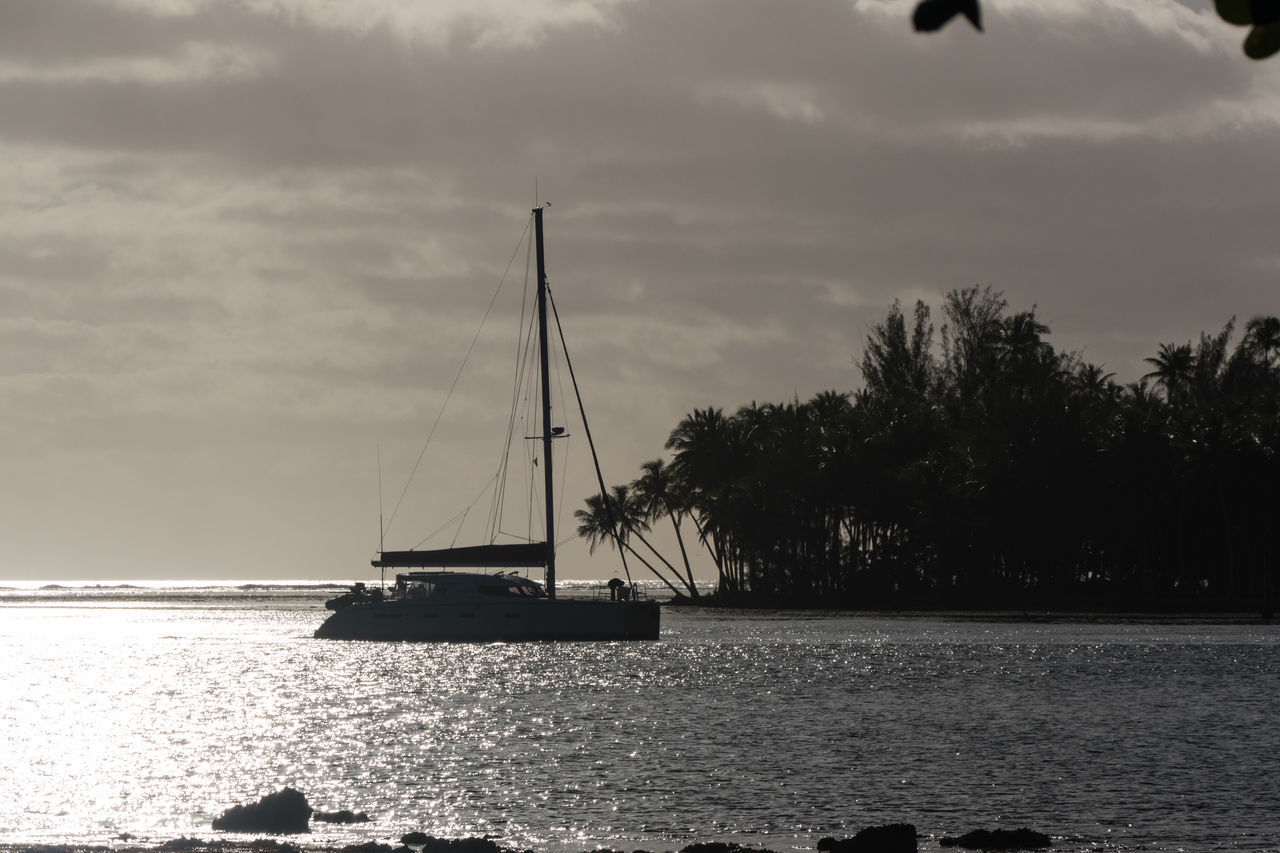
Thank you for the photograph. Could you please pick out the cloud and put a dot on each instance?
(248, 242)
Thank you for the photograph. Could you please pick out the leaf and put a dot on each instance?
(1264, 11)
(1263, 41)
(932, 15)
(1245, 12)
(1234, 11)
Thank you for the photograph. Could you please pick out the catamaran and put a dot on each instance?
(475, 593)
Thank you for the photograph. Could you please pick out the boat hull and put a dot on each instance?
(497, 621)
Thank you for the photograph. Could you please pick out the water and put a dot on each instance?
(150, 710)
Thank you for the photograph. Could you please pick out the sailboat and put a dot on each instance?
(468, 593)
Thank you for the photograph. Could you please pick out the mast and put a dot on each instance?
(545, 365)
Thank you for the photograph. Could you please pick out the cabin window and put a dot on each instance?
(501, 590)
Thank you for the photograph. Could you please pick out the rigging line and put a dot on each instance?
(475, 338)
(498, 506)
(520, 373)
(494, 521)
(564, 454)
(586, 427)
(462, 514)
(529, 395)
(454, 540)
(530, 386)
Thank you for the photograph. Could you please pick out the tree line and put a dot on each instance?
(980, 467)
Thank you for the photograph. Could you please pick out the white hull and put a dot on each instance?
(505, 620)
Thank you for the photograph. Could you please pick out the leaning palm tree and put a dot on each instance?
(656, 495)
(613, 519)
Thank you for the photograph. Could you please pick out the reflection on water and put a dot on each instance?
(767, 729)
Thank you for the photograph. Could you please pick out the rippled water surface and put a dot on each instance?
(149, 712)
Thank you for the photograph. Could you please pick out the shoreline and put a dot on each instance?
(1222, 612)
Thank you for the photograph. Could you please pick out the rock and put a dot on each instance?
(283, 813)
(719, 847)
(342, 816)
(460, 845)
(432, 844)
(999, 839)
(367, 847)
(270, 845)
(890, 838)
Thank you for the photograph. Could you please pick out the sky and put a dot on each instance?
(245, 244)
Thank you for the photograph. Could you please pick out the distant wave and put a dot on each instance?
(290, 594)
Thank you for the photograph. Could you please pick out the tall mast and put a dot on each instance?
(544, 359)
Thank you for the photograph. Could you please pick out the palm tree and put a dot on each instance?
(1091, 379)
(707, 447)
(656, 494)
(1255, 365)
(606, 520)
(1262, 336)
(1174, 370)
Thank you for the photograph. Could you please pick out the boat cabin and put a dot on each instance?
(420, 586)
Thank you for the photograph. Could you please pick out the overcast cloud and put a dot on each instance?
(245, 244)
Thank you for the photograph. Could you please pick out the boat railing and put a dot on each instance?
(619, 592)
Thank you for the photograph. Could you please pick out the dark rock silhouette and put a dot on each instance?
(460, 845)
(720, 847)
(257, 845)
(999, 839)
(367, 847)
(432, 844)
(285, 812)
(890, 838)
(341, 816)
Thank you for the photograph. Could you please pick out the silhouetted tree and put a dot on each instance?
(656, 493)
(989, 470)
(613, 519)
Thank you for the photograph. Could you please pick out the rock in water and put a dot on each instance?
(999, 839)
(891, 838)
(285, 812)
(460, 845)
